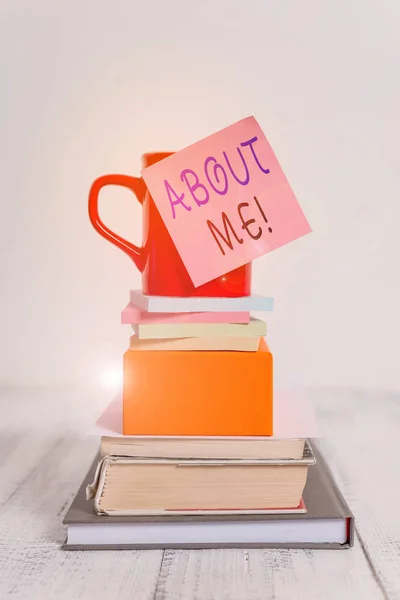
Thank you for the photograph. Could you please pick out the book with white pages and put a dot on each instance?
(202, 448)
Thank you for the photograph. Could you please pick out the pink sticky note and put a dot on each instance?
(134, 315)
(294, 417)
(225, 201)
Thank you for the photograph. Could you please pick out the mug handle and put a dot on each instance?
(138, 187)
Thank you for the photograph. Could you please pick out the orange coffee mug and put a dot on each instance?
(163, 272)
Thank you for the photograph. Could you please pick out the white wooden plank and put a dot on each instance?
(44, 453)
(44, 472)
(260, 574)
(363, 444)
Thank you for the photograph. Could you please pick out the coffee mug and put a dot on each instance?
(163, 272)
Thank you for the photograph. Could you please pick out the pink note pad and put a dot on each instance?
(225, 201)
(294, 417)
(132, 315)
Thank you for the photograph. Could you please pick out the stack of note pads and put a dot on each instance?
(197, 367)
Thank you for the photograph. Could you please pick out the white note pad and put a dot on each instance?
(174, 304)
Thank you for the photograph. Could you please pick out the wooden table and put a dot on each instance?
(47, 442)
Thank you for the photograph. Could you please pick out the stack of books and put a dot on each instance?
(198, 463)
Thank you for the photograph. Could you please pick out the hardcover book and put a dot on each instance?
(125, 485)
(328, 523)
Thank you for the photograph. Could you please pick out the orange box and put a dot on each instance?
(198, 393)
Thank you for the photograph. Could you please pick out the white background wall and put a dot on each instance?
(88, 85)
